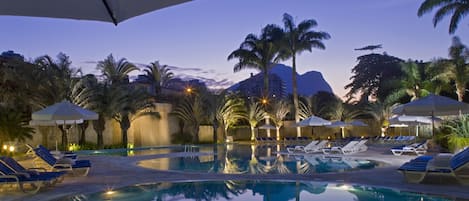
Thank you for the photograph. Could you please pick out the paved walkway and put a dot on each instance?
(116, 171)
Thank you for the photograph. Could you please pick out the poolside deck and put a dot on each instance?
(116, 171)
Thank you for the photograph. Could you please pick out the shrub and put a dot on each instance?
(458, 129)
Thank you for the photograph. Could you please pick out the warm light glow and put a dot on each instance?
(5, 146)
(189, 90)
(110, 192)
(12, 148)
(264, 101)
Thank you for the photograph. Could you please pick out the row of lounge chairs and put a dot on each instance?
(47, 170)
(285, 140)
(395, 139)
(456, 166)
(351, 147)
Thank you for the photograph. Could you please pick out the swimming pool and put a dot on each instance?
(252, 160)
(253, 190)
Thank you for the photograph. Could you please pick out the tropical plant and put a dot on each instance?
(14, 125)
(229, 111)
(255, 114)
(259, 52)
(413, 83)
(116, 71)
(459, 132)
(280, 109)
(299, 38)
(456, 8)
(455, 69)
(191, 111)
(158, 75)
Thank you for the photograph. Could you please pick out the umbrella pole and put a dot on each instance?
(433, 124)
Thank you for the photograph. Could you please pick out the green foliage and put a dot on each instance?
(14, 126)
(458, 130)
(456, 8)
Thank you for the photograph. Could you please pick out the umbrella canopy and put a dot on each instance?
(314, 121)
(267, 126)
(54, 122)
(114, 11)
(64, 111)
(338, 124)
(413, 120)
(432, 105)
(357, 123)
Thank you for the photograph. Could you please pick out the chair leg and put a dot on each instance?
(414, 177)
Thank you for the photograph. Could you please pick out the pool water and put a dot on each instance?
(243, 159)
(253, 190)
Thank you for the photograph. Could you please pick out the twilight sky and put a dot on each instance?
(198, 36)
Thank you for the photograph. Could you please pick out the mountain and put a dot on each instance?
(309, 83)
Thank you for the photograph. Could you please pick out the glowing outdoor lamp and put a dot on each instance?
(11, 148)
(189, 90)
(5, 147)
(264, 101)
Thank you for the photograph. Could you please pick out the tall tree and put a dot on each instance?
(158, 75)
(297, 39)
(370, 75)
(280, 109)
(116, 71)
(413, 83)
(456, 8)
(255, 114)
(455, 69)
(259, 52)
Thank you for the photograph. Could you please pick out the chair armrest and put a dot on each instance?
(38, 169)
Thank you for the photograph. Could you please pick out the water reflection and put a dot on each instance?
(252, 159)
(253, 190)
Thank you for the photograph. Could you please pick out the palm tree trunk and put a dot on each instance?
(460, 89)
(83, 127)
(195, 136)
(64, 138)
(278, 133)
(99, 126)
(295, 95)
(265, 93)
(125, 125)
(253, 134)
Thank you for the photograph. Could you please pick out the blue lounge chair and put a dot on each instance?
(9, 177)
(19, 169)
(456, 166)
(417, 148)
(45, 159)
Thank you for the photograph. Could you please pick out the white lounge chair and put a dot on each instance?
(301, 149)
(318, 148)
(417, 148)
(349, 148)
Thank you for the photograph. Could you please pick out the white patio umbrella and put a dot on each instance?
(63, 113)
(267, 126)
(313, 121)
(357, 123)
(114, 11)
(432, 105)
(339, 124)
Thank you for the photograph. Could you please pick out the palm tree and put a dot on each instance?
(456, 8)
(413, 83)
(255, 114)
(228, 111)
(158, 75)
(259, 52)
(456, 68)
(191, 112)
(280, 109)
(116, 71)
(14, 125)
(296, 40)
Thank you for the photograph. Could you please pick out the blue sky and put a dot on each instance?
(198, 36)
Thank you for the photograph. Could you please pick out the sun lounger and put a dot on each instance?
(301, 149)
(18, 168)
(417, 148)
(456, 166)
(8, 177)
(45, 159)
(349, 148)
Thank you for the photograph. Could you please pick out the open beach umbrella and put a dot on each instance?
(114, 11)
(432, 105)
(266, 126)
(63, 113)
(357, 123)
(339, 124)
(313, 121)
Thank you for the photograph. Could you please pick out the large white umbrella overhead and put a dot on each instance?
(54, 122)
(114, 11)
(314, 121)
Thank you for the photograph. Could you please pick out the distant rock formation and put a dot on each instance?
(309, 83)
